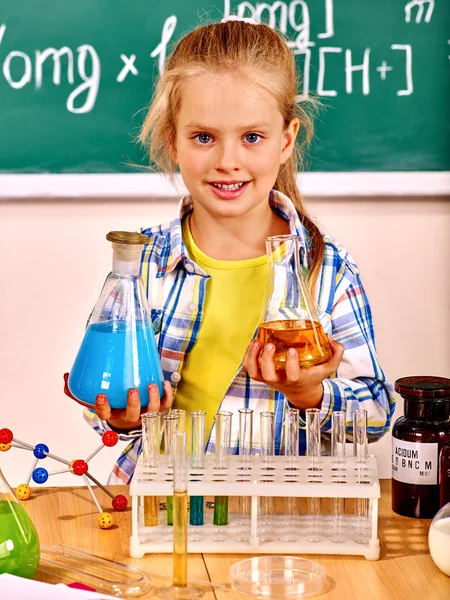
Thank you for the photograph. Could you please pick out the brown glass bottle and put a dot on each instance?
(417, 439)
(444, 474)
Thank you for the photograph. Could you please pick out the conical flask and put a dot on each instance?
(289, 315)
(19, 542)
(119, 350)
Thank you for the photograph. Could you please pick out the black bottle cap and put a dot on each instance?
(425, 398)
(422, 386)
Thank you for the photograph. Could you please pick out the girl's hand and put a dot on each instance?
(129, 417)
(302, 387)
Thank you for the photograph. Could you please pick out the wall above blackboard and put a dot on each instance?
(76, 75)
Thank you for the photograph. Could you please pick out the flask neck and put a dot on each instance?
(126, 259)
(282, 250)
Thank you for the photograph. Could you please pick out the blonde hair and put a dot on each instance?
(260, 55)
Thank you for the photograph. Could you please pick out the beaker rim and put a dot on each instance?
(282, 237)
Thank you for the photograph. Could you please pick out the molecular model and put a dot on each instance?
(76, 467)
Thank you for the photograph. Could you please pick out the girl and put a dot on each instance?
(225, 114)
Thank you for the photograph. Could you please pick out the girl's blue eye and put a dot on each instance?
(252, 138)
(203, 138)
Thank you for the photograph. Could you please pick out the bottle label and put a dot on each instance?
(414, 462)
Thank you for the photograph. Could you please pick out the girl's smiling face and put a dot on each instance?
(230, 142)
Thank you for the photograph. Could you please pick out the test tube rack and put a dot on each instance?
(280, 478)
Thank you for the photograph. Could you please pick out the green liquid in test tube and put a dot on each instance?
(169, 510)
(223, 442)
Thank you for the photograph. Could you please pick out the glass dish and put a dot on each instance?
(277, 577)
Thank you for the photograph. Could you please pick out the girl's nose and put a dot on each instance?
(227, 158)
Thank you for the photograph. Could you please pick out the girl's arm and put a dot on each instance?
(359, 382)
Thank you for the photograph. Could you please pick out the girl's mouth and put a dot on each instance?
(228, 191)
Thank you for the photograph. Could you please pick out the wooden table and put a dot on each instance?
(405, 569)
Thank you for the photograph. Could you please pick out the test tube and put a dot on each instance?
(245, 437)
(360, 435)
(291, 436)
(338, 437)
(151, 423)
(267, 420)
(170, 426)
(223, 442)
(338, 429)
(245, 453)
(224, 456)
(151, 427)
(181, 414)
(313, 452)
(180, 588)
(180, 512)
(313, 437)
(197, 503)
(291, 430)
(360, 454)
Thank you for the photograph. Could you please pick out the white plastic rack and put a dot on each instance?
(280, 478)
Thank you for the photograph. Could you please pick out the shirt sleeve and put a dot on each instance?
(101, 426)
(359, 382)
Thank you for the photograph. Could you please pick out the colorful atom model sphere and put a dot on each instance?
(40, 475)
(23, 491)
(6, 436)
(110, 438)
(119, 502)
(40, 451)
(79, 467)
(4, 447)
(105, 520)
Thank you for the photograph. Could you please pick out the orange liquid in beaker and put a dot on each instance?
(307, 337)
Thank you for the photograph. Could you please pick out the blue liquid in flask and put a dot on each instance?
(114, 358)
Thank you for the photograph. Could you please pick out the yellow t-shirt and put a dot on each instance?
(234, 296)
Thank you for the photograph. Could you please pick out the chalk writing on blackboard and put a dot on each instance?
(420, 5)
(80, 67)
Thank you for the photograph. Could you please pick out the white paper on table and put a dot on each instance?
(18, 588)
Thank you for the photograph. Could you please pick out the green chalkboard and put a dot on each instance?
(77, 108)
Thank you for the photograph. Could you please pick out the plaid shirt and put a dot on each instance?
(176, 288)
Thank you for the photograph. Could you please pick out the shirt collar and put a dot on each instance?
(174, 250)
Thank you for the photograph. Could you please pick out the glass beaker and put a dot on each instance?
(19, 542)
(119, 350)
(289, 316)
